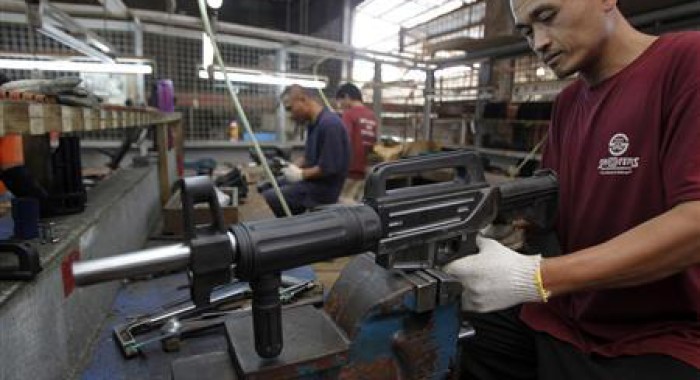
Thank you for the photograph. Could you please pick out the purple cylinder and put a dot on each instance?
(166, 95)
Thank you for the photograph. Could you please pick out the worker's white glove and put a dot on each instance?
(497, 277)
(292, 173)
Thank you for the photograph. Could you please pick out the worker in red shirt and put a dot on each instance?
(622, 301)
(361, 124)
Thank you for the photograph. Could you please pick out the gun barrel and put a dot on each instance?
(138, 263)
(533, 199)
(523, 192)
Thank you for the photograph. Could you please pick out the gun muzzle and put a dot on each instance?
(138, 263)
(256, 248)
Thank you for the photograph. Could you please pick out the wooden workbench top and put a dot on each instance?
(35, 118)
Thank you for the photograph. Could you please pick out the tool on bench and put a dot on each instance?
(19, 261)
(229, 297)
(174, 330)
(125, 335)
(392, 313)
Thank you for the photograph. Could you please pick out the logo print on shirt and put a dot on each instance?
(619, 144)
(617, 165)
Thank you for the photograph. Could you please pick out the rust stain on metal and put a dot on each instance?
(391, 305)
(417, 351)
(381, 369)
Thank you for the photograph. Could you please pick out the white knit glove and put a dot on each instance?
(496, 278)
(292, 173)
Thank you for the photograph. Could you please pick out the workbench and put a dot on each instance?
(47, 324)
(147, 297)
(30, 118)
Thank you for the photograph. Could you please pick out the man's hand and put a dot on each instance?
(497, 277)
(292, 173)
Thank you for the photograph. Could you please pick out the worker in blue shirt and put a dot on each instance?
(319, 176)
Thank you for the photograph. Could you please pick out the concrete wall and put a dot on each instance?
(46, 331)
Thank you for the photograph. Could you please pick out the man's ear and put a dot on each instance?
(609, 5)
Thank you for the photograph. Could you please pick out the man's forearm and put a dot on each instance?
(653, 250)
(312, 173)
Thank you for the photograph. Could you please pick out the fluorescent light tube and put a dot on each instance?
(87, 67)
(259, 77)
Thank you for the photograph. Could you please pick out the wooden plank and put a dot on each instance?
(72, 118)
(163, 170)
(105, 119)
(91, 119)
(133, 121)
(36, 119)
(179, 132)
(16, 117)
(45, 118)
(121, 119)
(39, 118)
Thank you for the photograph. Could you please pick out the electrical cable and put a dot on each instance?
(320, 91)
(239, 108)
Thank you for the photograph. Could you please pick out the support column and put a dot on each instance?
(281, 113)
(138, 51)
(377, 96)
(429, 95)
(348, 19)
(484, 80)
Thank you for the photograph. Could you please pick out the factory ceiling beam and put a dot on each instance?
(293, 42)
(115, 7)
(330, 48)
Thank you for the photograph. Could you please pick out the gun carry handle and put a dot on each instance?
(467, 163)
(209, 264)
(200, 189)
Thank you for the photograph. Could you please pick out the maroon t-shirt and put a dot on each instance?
(626, 151)
(361, 124)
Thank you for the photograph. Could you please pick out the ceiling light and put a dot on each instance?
(261, 77)
(87, 67)
(214, 4)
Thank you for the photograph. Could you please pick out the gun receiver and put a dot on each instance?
(410, 228)
(430, 225)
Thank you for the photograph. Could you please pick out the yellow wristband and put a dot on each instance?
(544, 293)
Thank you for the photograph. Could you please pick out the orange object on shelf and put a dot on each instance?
(11, 151)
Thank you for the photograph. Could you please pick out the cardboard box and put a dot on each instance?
(172, 212)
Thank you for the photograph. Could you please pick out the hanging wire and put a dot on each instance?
(239, 108)
(315, 72)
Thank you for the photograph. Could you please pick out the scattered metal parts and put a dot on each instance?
(289, 293)
(47, 233)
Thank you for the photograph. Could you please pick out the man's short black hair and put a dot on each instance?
(3, 79)
(308, 92)
(349, 90)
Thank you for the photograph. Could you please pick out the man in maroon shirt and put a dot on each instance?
(623, 301)
(361, 124)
